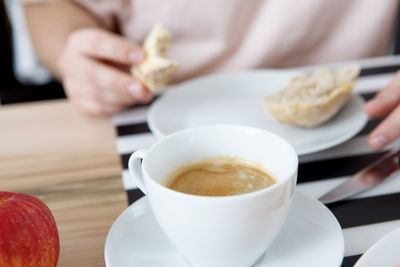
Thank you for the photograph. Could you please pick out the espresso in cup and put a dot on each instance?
(219, 176)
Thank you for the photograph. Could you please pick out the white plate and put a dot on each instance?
(236, 98)
(385, 252)
(310, 237)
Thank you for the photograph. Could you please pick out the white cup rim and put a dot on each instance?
(256, 193)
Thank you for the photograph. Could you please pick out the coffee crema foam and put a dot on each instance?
(219, 176)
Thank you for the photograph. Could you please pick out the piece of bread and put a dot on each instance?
(156, 70)
(312, 99)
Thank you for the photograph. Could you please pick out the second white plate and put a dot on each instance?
(236, 98)
(385, 252)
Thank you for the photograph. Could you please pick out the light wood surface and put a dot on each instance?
(52, 151)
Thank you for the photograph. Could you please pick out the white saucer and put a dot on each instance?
(236, 98)
(385, 252)
(310, 237)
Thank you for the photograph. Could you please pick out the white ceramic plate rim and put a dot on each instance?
(336, 239)
(381, 251)
(351, 117)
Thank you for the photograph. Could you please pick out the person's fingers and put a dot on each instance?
(107, 78)
(103, 77)
(146, 98)
(386, 100)
(106, 45)
(88, 106)
(83, 96)
(94, 101)
(386, 132)
(94, 108)
(109, 97)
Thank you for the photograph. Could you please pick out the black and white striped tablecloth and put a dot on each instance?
(364, 218)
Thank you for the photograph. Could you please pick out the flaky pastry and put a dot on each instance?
(312, 99)
(156, 70)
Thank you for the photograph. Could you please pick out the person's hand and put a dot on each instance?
(385, 102)
(94, 66)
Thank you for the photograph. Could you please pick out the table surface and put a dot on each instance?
(73, 163)
(52, 151)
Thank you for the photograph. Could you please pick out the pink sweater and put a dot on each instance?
(219, 35)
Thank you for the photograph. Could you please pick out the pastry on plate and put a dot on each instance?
(312, 99)
(156, 70)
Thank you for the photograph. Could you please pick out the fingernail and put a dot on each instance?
(378, 141)
(135, 56)
(134, 89)
(375, 101)
(148, 97)
(368, 105)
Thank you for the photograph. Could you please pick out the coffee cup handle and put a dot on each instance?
(135, 168)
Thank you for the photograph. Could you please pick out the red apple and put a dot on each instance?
(28, 232)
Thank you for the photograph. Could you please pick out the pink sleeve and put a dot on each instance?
(103, 10)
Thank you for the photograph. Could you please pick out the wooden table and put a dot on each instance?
(52, 151)
(72, 162)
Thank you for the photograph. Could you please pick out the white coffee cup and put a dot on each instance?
(222, 231)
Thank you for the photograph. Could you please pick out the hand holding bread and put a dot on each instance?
(94, 64)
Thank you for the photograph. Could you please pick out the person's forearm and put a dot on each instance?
(50, 24)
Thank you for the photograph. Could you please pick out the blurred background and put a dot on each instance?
(23, 88)
(23, 78)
